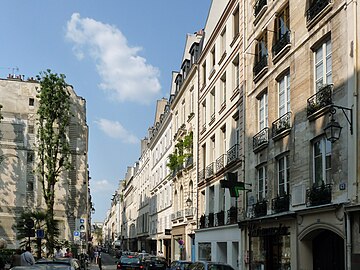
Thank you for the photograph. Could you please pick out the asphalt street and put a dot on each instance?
(107, 262)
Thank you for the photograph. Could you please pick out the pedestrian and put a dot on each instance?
(96, 254)
(16, 258)
(58, 253)
(68, 253)
(99, 260)
(27, 258)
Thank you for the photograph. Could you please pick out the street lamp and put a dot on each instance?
(188, 202)
(333, 129)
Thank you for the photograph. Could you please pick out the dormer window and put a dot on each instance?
(178, 82)
(185, 68)
(194, 53)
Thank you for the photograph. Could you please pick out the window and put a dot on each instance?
(282, 23)
(176, 121)
(30, 186)
(30, 157)
(223, 90)
(212, 158)
(223, 42)
(237, 129)
(263, 111)
(236, 73)
(203, 67)
(212, 59)
(262, 183)
(261, 48)
(284, 94)
(283, 175)
(236, 22)
(212, 104)
(31, 101)
(31, 129)
(323, 65)
(223, 137)
(183, 117)
(322, 161)
(192, 100)
(204, 112)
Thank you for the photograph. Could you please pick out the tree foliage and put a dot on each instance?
(54, 114)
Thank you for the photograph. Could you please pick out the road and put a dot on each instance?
(107, 262)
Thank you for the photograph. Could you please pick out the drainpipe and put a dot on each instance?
(348, 241)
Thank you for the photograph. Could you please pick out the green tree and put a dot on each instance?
(54, 114)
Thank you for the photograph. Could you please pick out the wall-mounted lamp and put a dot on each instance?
(333, 129)
(188, 202)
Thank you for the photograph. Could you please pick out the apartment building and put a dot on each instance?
(183, 104)
(159, 185)
(221, 133)
(301, 72)
(20, 190)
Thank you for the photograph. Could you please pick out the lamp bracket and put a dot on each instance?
(343, 109)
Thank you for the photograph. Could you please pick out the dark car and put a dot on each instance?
(206, 265)
(154, 263)
(71, 262)
(180, 265)
(129, 262)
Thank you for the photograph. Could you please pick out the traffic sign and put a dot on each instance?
(76, 233)
(40, 233)
(29, 223)
(82, 220)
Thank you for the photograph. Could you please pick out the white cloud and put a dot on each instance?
(99, 186)
(115, 130)
(125, 75)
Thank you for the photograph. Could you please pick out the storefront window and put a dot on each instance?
(205, 251)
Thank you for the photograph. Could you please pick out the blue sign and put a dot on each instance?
(76, 233)
(82, 220)
(40, 233)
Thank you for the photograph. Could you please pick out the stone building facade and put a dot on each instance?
(20, 189)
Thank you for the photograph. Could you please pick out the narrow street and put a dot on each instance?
(108, 262)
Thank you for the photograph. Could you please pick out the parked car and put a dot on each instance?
(154, 263)
(207, 265)
(129, 262)
(73, 263)
(180, 265)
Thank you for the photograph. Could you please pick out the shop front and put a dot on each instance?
(178, 243)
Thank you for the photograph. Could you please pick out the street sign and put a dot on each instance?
(76, 233)
(29, 223)
(82, 220)
(40, 233)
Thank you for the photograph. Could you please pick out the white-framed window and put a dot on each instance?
(263, 111)
(204, 112)
(236, 73)
(236, 21)
(323, 65)
(321, 161)
(212, 59)
(223, 147)
(284, 94)
(203, 71)
(183, 112)
(212, 153)
(223, 42)
(283, 175)
(223, 89)
(262, 182)
(212, 102)
(192, 100)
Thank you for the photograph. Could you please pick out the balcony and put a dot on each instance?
(209, 170)
(281, 44)
(280, 203)
(232, 215)
(260, 208)
(281, 125)
(315, 9)
(233, 154)
(220, 218)
(209, 220)
(318, 195)
(259, 5)
(220, 162)
(201, 175)
(202, 221)
(180, 214)
(260, 67)
(319, 100)
(261, 139)
(189, 212)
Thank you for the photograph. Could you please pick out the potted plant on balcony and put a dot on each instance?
(202, 221)
(319, 194)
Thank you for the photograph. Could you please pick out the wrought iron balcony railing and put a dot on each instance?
(220, 218)
(258, 6)
(180, 214)
(281, 43)
(209, 220)
(316, 7)
(220, 162)
(202, 222)
(232, 215)
(320, 100)
(281, 124)
(260, 208)
(201, 175)
(189, 211)
(318, 195)
(260, 65)
(209, 170)
(281, 203)
(261, 138)
(233, 154)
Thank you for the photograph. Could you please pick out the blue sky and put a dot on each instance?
(117, 54)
